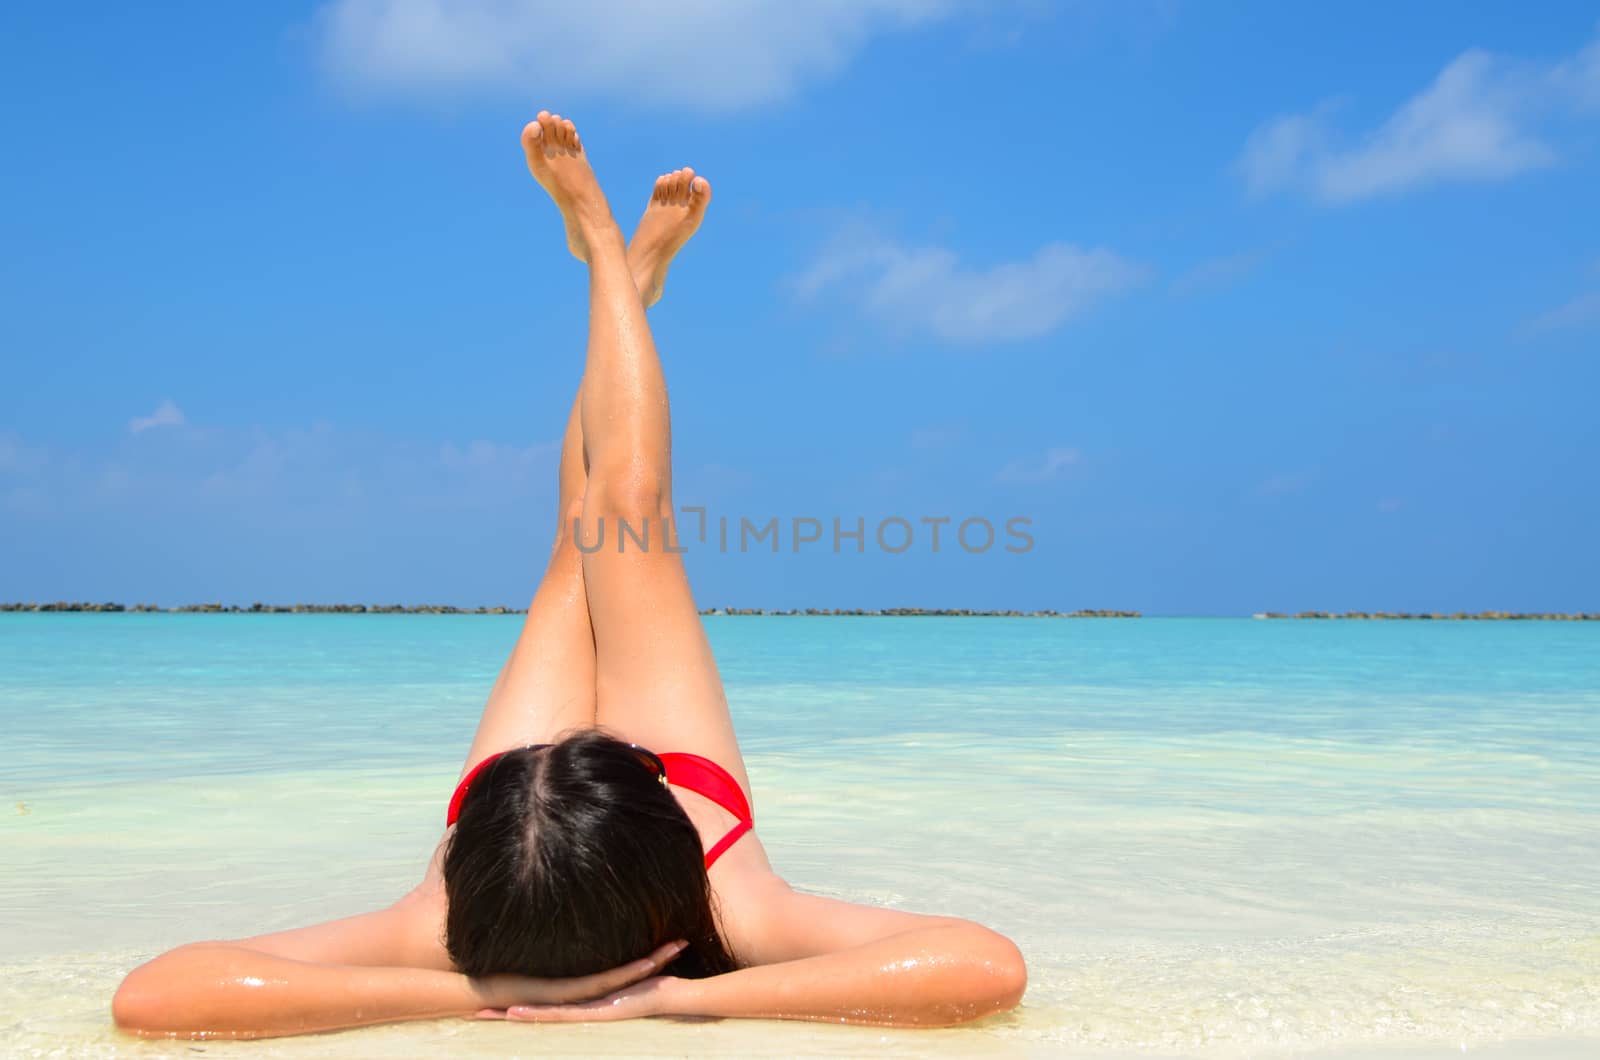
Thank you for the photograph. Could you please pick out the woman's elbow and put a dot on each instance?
(151, 1001)
(989, 977)
(1004, 974)
(138, 1004)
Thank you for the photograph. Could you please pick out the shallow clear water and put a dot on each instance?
(1209, 837)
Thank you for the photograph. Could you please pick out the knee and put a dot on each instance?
(632, 490)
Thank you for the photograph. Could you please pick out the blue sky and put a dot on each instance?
(1242, 307)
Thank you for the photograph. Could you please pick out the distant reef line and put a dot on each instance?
(446, 609)
(1441, 616)
(890, 612)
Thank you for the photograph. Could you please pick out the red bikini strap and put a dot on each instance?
(709, 779)
(727, 841)
(701, 774)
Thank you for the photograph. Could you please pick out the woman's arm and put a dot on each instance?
(847, 964)
(224, 990)
(374, 968)
(930, 977)
(220, 989)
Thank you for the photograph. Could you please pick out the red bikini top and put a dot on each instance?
(702, 775)
(691, 771)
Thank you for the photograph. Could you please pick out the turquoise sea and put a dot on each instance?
(1210, 837)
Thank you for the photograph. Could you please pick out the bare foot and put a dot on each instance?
(677, 206)
(557, 161)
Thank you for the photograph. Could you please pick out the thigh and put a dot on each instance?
(656, 682)
(547, 685)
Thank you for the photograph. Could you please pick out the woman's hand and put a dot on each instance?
(648, 997)
(504, 996)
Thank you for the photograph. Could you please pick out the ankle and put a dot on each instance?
(642, 263)
(597, 224)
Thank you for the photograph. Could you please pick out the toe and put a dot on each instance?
(700, 191)
(659, 192)
(685, 179)
(531, 134)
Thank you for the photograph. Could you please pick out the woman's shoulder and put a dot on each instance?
(766, 921)
(405, 934)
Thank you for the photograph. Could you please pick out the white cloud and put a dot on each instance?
(166, 415)
(17, 458)
(710, 54)
(1473, 123)
(1216, 273)
(1275, 153)
(1580, 312)
(1580, 77)
(317, 512)
(499, 458)
(304, 470)
(929, 291)
(1055, 463)
(1463, 127)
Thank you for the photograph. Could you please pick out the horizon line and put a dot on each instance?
(257, 608)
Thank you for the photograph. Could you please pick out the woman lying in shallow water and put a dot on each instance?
(581, 876)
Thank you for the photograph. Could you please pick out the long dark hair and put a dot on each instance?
(572, 858)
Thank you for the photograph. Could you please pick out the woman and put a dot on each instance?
(573, 883)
